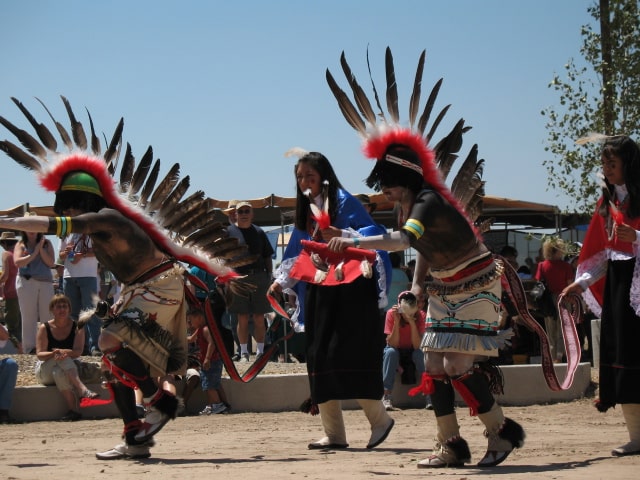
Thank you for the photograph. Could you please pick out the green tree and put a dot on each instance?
(599, 94)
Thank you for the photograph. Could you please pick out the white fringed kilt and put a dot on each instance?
(464, 309)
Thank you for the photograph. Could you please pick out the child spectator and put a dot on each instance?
(211, 374)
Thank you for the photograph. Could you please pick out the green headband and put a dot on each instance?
(80, 182)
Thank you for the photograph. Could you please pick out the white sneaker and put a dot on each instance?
(386, 402)
(125, 451)
(217, 408)
(205, 411)
(244, 358)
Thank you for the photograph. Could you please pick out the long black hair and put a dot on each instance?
(83, 201)
(320, 164)
(628, 152)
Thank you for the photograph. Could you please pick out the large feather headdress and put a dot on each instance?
(180, 227)
(380, 130)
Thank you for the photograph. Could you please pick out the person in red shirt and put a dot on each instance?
(211, 373)
(556, 274)
(404, 327)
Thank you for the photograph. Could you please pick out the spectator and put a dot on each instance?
(510, 254)
(556, 274)
(342, 321)
(411, 268)
(34, 257)
(404, 327)
(80, 284)
(366, 202)
(58, 343)
(259, 274)
(211, 372)
(8, 377)
(215, 296)
(8, 276)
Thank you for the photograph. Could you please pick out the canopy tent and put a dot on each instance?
(274, 210)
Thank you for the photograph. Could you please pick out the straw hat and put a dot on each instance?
(8, 237)
(231, 207)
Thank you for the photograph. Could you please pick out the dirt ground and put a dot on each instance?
(564, 441)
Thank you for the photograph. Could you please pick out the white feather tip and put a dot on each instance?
(593, 137)
(296, 152)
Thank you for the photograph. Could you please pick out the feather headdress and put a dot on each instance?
(380, 130)
(175, 225)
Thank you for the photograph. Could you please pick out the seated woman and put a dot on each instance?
(58, 342)
(404, 327)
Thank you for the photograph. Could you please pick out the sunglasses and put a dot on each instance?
(244, 211)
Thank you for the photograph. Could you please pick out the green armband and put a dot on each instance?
(356, 242)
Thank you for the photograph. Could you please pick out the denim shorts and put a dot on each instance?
(211, 378)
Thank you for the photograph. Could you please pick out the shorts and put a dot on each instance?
(256, 301)
(212, 378)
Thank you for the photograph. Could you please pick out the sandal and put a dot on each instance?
(89, 394)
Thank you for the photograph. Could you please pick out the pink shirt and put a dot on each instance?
(405, 330)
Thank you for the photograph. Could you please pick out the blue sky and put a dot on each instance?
(225, 88)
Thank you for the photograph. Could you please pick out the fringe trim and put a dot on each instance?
(466, 342)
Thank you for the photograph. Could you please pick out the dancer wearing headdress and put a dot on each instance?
(464, 290)
(141, 233)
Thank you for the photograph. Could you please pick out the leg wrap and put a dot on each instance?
(125, 400)
(474, 390)
(165, 402)
(443, 396)
(131, 369)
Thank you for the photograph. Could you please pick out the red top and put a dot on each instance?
(557, 274)
(405, 330)
(203, 344)
(9, 287)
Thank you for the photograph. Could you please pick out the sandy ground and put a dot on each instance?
(564, 441)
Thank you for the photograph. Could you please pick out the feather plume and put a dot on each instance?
(223, 244)
(66, 139)
(469, 178)
(25, 139)
(126, 172)
(197, 219)
(163, 189)
(20, 156)
(44, 134)
(211, 232)
(149, 184)
(392, 87)
(436, 123)
(414, 102)
(593, 137)
(95, 141)
(375, 91)
(140, 174)
(358, 94)
(79, 137)
(448, 147)
(113, 147)
(428, 107)
(186, 207)
(171, 201)
(242, 261)
(297, 152)
(350, 113)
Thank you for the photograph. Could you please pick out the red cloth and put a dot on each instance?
(597, 239)
(9, 288)
(305, 270)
